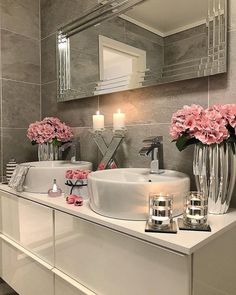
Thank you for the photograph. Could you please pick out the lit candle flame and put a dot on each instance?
(98, 113)
(119, 111)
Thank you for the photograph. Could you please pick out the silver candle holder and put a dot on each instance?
(195, 213)
(108, 151)
(160, 214)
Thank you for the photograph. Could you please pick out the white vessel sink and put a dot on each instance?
(124, 193)
(41, 174)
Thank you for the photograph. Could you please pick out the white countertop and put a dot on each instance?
(185, 242)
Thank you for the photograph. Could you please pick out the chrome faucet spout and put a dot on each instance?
(151, 148)
(72, 146)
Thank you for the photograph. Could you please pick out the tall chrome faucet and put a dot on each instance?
(72, 146)
(151, 148)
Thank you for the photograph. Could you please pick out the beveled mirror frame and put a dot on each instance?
(214, 63)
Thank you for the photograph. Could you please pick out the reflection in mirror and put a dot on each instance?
(120, 45)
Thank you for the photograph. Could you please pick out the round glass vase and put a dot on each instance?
(48, 151)
(214, 168)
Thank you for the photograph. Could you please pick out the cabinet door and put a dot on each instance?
(108, 262)
(23, 274)
(214, 266)
(29, 224)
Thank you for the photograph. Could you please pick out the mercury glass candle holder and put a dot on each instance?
(195, 209)
(160, 210)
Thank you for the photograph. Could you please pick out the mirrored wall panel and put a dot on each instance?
(127, 44)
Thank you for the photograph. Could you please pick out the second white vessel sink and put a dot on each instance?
(124, 193)
(41, 174)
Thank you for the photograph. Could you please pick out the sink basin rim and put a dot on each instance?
(177, 176)
(54, 164)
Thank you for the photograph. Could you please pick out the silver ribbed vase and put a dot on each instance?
(214, 168)
(48, 152)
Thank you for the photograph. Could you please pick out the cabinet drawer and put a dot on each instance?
(69, 287)
(29, 224)
(108, 262)
(23, 274)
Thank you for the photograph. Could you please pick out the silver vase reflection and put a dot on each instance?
(214, 168)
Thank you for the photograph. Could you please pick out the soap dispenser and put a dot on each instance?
(55, 191)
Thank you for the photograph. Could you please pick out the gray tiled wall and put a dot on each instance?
(148, 111)
(20, 77)
(187, 45)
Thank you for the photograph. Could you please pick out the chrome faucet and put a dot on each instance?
(151, 148)
(72, 146)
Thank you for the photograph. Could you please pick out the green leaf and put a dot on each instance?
(184, 141)
(181, 142)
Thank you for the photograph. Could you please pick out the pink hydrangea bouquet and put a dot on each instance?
(49, 130)
(194, 124)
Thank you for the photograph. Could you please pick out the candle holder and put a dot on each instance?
(195, 213)
(160, 214)
(108, 151)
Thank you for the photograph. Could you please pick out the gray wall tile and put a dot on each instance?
(199, 30)
(20, 104)
(88, 148)
(48, 57)
(20, 57)
(55, 13)
(16, 145)
(21, 17)
(138, 31)
(154, 104)
(76, 113)
(186, 49)
(20, 61)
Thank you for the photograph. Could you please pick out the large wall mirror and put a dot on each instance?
(127, 44)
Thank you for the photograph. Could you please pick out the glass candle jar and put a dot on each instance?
(160, 210)
(195, 209)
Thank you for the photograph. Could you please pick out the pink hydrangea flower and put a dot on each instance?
(185, 120)
(209, 126)
(49, 129)
(211, 131)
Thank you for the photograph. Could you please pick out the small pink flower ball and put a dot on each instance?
(77, 174)
(71, 199)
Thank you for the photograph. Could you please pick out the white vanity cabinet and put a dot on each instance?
(29, 224)
(24, 274)
(48, 247)
(108, 262)
(214, 266)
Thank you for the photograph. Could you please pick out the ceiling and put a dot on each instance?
(168, 16)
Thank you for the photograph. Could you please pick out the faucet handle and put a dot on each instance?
(153, 140)
(145, 151)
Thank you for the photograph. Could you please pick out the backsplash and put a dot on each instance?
(20, 77)
(148, 110)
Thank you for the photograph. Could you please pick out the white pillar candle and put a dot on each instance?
(98, 122)
(118, 120)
